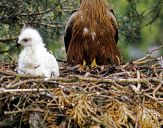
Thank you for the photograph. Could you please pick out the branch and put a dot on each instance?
(148, 57)
(155, 10)
(3, 90)
(120, 80)
(7, 40)
(156, 49)
(43, 12)
(21, 111)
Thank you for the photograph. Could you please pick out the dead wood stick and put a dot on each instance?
(74, 78)
(21, 111)
(41, 80)
(156, 89)
(120, 80)
(11, 73)
(153, 98)
(23, 90)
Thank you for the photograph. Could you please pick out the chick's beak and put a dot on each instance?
(19, 42)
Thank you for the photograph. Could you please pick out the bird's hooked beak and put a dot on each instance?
(19, 42)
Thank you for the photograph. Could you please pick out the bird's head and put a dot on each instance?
(30, 37)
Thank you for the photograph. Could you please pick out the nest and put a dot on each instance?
(129, 95)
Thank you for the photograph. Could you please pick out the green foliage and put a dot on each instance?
(140, 24)
(46, 16)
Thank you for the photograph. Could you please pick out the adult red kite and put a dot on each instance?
(91, 34)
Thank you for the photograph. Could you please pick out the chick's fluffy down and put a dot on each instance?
(34, 58)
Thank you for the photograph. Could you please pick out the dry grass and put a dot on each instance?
(125, 96)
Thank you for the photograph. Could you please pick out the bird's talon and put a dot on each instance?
(94, 64)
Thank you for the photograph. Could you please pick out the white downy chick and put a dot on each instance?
(34, 58)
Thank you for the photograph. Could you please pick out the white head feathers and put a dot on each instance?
(34, 59)
(30, 36)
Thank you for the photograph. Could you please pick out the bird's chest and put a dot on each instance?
(31, 59)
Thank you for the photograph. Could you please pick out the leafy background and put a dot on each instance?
(140, 25)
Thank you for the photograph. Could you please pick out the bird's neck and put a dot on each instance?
(94, 10)
(30, 48)
(34, 48)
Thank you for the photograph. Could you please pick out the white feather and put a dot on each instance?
(34, 58)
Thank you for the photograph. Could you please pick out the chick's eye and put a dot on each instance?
(24, 40)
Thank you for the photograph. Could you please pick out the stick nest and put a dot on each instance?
(125, 96)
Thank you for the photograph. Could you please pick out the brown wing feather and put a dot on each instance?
(92, 35)
(68, 29)
(114, 23)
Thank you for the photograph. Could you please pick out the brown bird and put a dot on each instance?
(91, 35)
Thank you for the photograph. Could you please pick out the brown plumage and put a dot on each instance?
(92, 32)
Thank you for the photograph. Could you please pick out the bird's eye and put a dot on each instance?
(24, 40)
